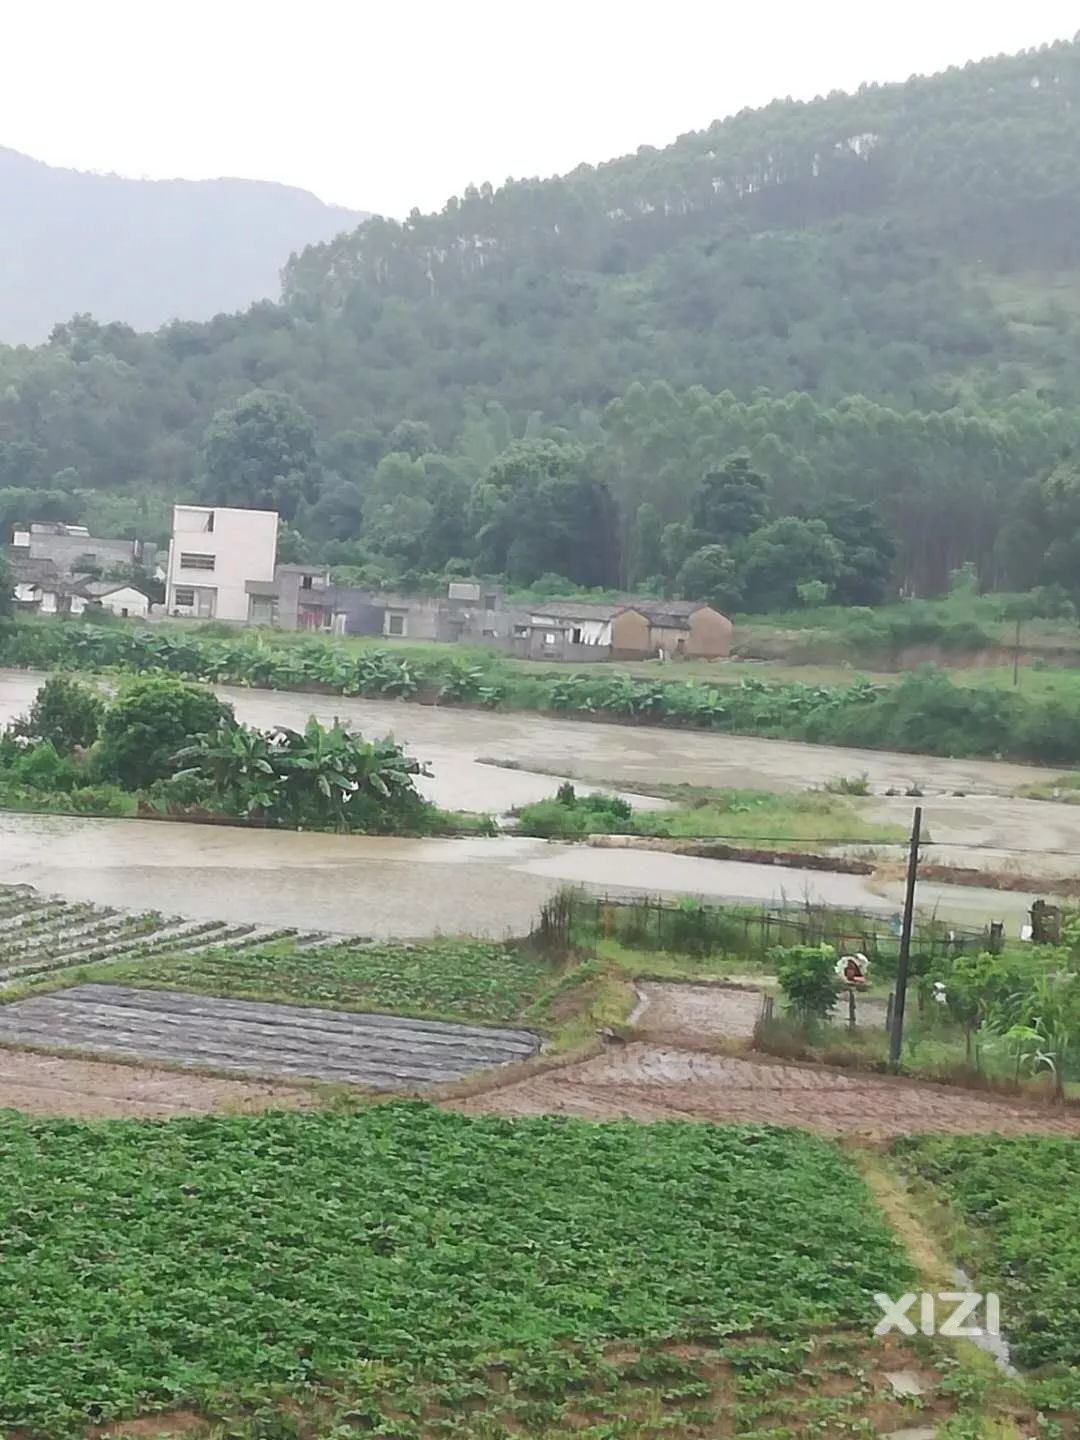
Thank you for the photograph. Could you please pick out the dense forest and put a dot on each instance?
(819, 349)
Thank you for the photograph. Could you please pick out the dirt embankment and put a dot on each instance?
(721, 850)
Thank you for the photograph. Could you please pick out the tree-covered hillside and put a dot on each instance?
(875, 297)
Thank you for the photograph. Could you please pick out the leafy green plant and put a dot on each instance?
(149, 722)
(1018, 1203)
(163, 1266)
(65, 713)
(807, 976)
(462, 979)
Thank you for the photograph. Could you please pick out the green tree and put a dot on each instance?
(807, 976)
(646, 559)
(780, 557)
(259, 453)
(151, 720)
(322, 777)
(410, 437)
(731, 502)
(65, 713)
(867, 551)
(710, 574)
(7, 590)
(544, 506)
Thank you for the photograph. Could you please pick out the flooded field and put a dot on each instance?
(399, 887)
(455, 741)
(384, 888)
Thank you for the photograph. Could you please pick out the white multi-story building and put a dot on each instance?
(219, 560)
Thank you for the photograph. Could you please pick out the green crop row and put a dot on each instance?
(149, 1267)
(1018, 1202)
(924, 712)
(461, 979)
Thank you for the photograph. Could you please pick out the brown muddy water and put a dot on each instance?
(383, 887)
(454, 741)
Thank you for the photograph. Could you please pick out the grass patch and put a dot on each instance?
(483, 1263)
(1065, 789)
(762, 817)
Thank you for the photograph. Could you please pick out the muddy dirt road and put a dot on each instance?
(663, 1076)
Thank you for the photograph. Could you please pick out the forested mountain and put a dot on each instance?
(875, 297)
(143, 251)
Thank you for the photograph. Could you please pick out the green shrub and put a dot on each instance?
(102, 800)
(570, 814)
(65, 713)
(41, 767)
(807, 976)
(150, 721)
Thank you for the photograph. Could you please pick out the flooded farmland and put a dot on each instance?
(402, 887)
(455, 741)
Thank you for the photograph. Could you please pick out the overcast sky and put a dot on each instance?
(385, 106)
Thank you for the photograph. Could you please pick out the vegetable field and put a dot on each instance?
(1019, 1203)
(383, 1052)
(468, 1277)
(460, 979)
(40, 936)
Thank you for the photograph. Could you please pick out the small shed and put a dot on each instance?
(116, 596)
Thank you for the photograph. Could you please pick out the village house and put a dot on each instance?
(304, 597)
(41, 589)
(219, 557)
(624, 630)
(74, 551)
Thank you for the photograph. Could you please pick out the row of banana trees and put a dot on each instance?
(924, 712)
(750, 705)
(316, 778)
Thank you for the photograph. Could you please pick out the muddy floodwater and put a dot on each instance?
(382, 887)
(455, 741)
(367, 885)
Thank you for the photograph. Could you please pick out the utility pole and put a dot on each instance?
(896, 1037)
(1016, 657)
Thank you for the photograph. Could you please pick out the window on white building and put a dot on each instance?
(189, 560)
(184, 596)
(395, 623)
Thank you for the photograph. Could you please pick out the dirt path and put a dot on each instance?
(709, 1012)
(643, 1081)
(92, 1089)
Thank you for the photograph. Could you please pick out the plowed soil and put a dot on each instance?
(93, 1089)
(643, 1081)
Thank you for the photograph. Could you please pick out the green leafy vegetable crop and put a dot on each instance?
(1020, 1200)
(147, 1267)
(470, 979)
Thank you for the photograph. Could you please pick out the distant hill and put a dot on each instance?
(143, 251)
(876, 295)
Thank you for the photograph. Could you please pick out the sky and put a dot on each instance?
(389, 106)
